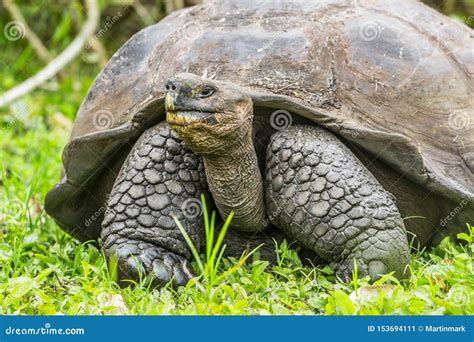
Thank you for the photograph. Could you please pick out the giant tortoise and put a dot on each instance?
(344, 126)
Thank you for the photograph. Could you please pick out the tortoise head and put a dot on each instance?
(210, 116)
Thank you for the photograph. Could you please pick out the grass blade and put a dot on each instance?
(190, 244)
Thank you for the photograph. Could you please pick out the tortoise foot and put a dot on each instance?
(321, 195)
(376, 253)
(137, 261)
(160, 180)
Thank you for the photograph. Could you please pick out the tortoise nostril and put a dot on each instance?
(170, 85)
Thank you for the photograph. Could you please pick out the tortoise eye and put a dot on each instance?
(206, 92)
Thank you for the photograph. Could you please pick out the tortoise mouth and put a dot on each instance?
(183, 118)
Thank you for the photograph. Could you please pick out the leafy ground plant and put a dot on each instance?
(211, 276)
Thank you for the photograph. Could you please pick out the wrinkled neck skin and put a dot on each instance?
(236, 184)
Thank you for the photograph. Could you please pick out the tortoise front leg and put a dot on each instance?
(159, 178)
(320, 194)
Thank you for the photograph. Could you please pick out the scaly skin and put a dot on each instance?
(319, 193)
(236, 185)
(159, 179)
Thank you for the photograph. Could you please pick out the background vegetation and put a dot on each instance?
(44, 271)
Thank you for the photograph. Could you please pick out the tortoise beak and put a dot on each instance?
(189, 118)
(179, 117)
(182, 108)
(169, 103)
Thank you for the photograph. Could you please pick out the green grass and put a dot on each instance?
(44, 271)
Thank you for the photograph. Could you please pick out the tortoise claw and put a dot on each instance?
(138, 261)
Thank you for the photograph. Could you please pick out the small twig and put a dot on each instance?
(60, 61)
(35, 42)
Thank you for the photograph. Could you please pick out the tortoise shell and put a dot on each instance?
(393, 78)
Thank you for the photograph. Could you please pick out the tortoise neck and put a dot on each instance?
(236, 185)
